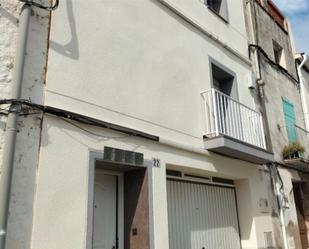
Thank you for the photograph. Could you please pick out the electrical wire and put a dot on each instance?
(90, 132)
(69, 122)
(48, 8)
(83, 119)
(274, 64)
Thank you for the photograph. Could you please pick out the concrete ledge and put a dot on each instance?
(298, 164)
(237, 149)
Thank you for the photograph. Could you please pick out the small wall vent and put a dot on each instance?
(123, 156)
(205, 178)
(223, 180)
(175, 174)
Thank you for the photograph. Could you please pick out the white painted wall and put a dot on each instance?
(133, 63)
(198, 11)
(137, 64)
(28, 138)
(60, 218)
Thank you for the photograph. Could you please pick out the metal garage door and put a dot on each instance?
(202, 216)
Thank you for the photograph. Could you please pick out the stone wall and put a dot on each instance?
(278, 86)
(267, 32)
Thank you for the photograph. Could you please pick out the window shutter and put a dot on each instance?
(290, 120)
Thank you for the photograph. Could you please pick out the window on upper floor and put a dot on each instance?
(224, 80)
(279, 54)
(219, 7)
(290, 120)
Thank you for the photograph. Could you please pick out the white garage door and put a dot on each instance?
(202, 216)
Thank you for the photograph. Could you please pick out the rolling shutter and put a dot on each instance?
(202, 216)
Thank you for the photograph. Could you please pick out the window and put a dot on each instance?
(279, 54)
(223, 81)
(290, 121)
(219, 7)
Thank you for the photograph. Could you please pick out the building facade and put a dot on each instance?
(143, 127)
(282, 91)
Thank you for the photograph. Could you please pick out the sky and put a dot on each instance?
(297, 12)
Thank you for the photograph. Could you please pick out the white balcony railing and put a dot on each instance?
(226, 116)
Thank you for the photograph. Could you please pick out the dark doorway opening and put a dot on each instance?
(301, 216)
(131, 201)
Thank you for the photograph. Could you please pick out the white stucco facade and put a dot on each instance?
(170, 69)
(140, 64)
(63, 184)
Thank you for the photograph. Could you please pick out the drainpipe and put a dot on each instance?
(275, 174)
(303, 91)
(251, 11)
(253, 36)
(11, 126)
(260, 84)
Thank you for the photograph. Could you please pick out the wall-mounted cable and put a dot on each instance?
(26, 106)
(91, 132)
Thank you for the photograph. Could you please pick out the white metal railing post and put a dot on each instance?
(207, 111)
(262, 132)
(213, 91)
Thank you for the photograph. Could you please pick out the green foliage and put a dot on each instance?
(292, 148)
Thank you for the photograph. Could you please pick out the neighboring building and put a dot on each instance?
(279, 93)
(143, 126)
(303, 211)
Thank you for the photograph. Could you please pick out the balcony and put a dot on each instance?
(233, 129)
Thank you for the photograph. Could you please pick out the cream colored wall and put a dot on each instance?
(60, 214)
(198, 11)
(137, 64)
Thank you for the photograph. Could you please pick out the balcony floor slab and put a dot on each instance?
(234, 148)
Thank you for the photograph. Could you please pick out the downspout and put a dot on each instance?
(259, 81)
(302, 92)
(11, 125)
(275, 174)
(260, 84)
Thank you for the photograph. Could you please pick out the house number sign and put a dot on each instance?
(156, 163)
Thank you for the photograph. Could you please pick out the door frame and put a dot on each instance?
(120, 206)
(98, 155)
